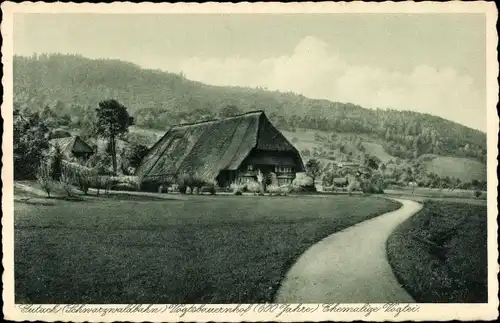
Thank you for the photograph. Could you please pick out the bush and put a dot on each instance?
(84, 183)
(236, 188)
(182, 188)
(370, 188)
(273, 189)
(477, 194)
(44, 178)
(190, 181)
(305, 183)
(129, 183)
(253, 187)
(66, 183)
(286, 189)
(329, 188)
(354, 185)
(302, 179)
(209, 188)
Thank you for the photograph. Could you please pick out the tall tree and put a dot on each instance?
(113, 121)
(30, 143)
(313, 169)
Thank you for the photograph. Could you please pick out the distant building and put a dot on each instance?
(226, 150)
(73, 146)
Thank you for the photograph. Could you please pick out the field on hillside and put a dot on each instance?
(306, 139)
(464, 168)
(440, 254)
(203, 249)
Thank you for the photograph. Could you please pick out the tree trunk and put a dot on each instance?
(113, 154)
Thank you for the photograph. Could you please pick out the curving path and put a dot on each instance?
(349, 266)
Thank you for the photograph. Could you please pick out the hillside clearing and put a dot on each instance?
(464, 168)
(221, 249)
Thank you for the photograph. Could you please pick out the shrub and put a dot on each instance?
(66, 183)
(106, 183)
(477, 194)
(209, 188)
(329, 188)
(353, 186)
(44, 178)
(368, 187)
(273, 189)
(129, 183)
(304, 182)
(236, 188)
(84, 183)
(286, 189)
(182, 188)
(253, 187)
(190, 181)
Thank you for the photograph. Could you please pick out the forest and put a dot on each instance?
(66, 89)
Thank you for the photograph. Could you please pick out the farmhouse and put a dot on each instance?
(73, 146)
(225, 150)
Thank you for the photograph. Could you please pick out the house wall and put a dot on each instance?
(282, 165)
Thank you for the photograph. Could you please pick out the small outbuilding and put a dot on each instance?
(73, 146)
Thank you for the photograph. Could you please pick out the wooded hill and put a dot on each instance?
(69, 87)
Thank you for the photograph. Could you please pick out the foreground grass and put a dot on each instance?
(440, 254)
(221, 249)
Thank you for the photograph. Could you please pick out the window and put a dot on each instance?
(284, 169)
(283, 181)
(250, 168)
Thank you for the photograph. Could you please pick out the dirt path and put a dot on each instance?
(349, 266)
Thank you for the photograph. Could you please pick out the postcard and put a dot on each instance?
(250, 161)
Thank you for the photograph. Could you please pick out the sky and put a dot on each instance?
(430, 63)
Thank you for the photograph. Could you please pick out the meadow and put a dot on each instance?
(440, 254)
(201, 249)
(464, 168)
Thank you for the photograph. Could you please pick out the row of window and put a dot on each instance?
(277, 169)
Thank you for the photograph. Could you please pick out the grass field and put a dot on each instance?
(464, 168)
(440, 254)
(204, 249)
(434, 193)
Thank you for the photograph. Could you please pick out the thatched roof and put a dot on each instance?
(206, 148)
(71, 145)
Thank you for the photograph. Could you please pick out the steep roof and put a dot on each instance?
(70, 145)
(208, 147)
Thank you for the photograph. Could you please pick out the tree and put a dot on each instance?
(132, 156)
(229, 110)
(260, 180)
(113, 121)
(56, 163)
(44, 178)
(313, 169)
(372, 162)
(30, 143)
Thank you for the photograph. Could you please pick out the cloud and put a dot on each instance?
(315, 70)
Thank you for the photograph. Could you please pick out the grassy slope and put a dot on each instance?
(464, 168)
(376, 149)
(462, 275)
(205, 250)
